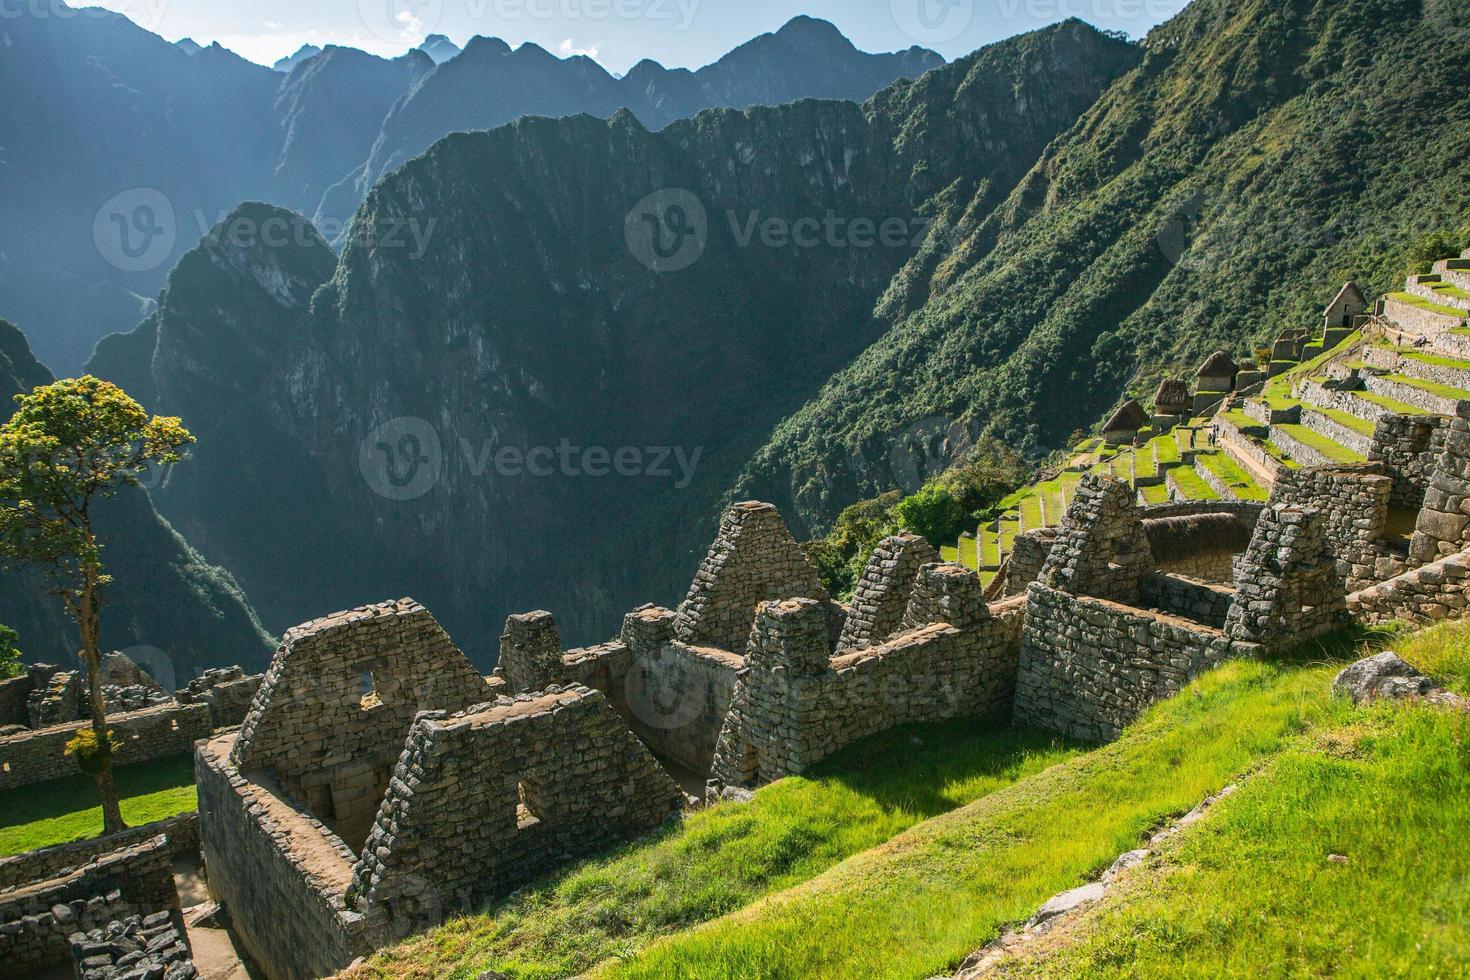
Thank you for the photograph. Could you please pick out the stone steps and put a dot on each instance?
(1309, 448)
(1427, 396)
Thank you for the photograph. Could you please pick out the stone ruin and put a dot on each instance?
(1107, 634)
(43, 709)
(379, 783)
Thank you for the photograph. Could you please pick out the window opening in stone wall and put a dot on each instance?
(528, 807)
(368, 687)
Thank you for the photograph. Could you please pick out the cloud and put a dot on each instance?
(568, 49)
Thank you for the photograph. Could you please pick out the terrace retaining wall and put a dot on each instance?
(153, 733)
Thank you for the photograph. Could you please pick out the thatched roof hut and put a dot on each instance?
(1128, 419)
(1173, 397)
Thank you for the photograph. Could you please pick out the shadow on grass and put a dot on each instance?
(913, 766)
(59, 797)
(1345, 646)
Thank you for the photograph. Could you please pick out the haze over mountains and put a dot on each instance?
(128, 149)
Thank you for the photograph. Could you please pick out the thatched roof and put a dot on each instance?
(1130, 418)
(1177, 538)
(1218, 365)
(1173, 397)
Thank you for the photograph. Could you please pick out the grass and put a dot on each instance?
(1335, 452)
(1191, 485)
(917, 906)
(1443, 391)
(1237, 479)
(1155, 495)
(724, 858)
(1435, 359)
(1347, 420)
(1424, 304)
(56, 812)
(1252, 891)
(1391, 404)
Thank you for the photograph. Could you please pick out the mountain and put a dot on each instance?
(807, 58)
(330, 108)
(440, 48)
(501, 322)
(1260, 150)
(303, 54)
(127, 149)
(166, 596)
(188, 45)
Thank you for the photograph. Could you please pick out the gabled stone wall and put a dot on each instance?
(1409, 447)
(484, 801)
(1289, 588)
(331, 713)
(754, 559)
(796, 704)
(883, 590)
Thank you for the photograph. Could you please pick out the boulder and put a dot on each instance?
(1386, 675)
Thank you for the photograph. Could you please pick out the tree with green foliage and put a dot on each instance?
(9, 653)
(70, 445)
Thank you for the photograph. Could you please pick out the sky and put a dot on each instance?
(617, 33)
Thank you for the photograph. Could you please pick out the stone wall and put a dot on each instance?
(1200, 545)
(796, 704)
(1426, 595)
(485, 801)
(182, 833)
(14, 693)
(227, 691)
(1207, 603)
(56, 701)
(1353, 503)
(264, 856)
(37, 917)
(330, 716)
(1090, 666)
(1416, 319)
(36, 756)
(754, 559)
(1028, 556)
(1102, 548)
(882, 592)
(1444, 523)
(1409, 446)
(1289, 587)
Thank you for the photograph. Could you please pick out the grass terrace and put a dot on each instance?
(60, 811)
(1241, 485)
(1424, 304)
(918, 906)
(1191, 485)
(1347, 420)
(1334, 451)
(1443, 391)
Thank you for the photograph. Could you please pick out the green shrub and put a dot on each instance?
(9, 653)
(92, 754)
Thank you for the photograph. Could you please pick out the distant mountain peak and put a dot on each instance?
(188, 45)
(440, 48)
(304, 53)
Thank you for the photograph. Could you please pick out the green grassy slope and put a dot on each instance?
(917, 906)
(1343, 857)
(62, 810)
(1214, 196)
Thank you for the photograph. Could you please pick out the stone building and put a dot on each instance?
(1173, 399)
(1122, 428)
(1347, 304)
(1214, 379)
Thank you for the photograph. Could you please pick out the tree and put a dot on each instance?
(68, 446)
(9, 653)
